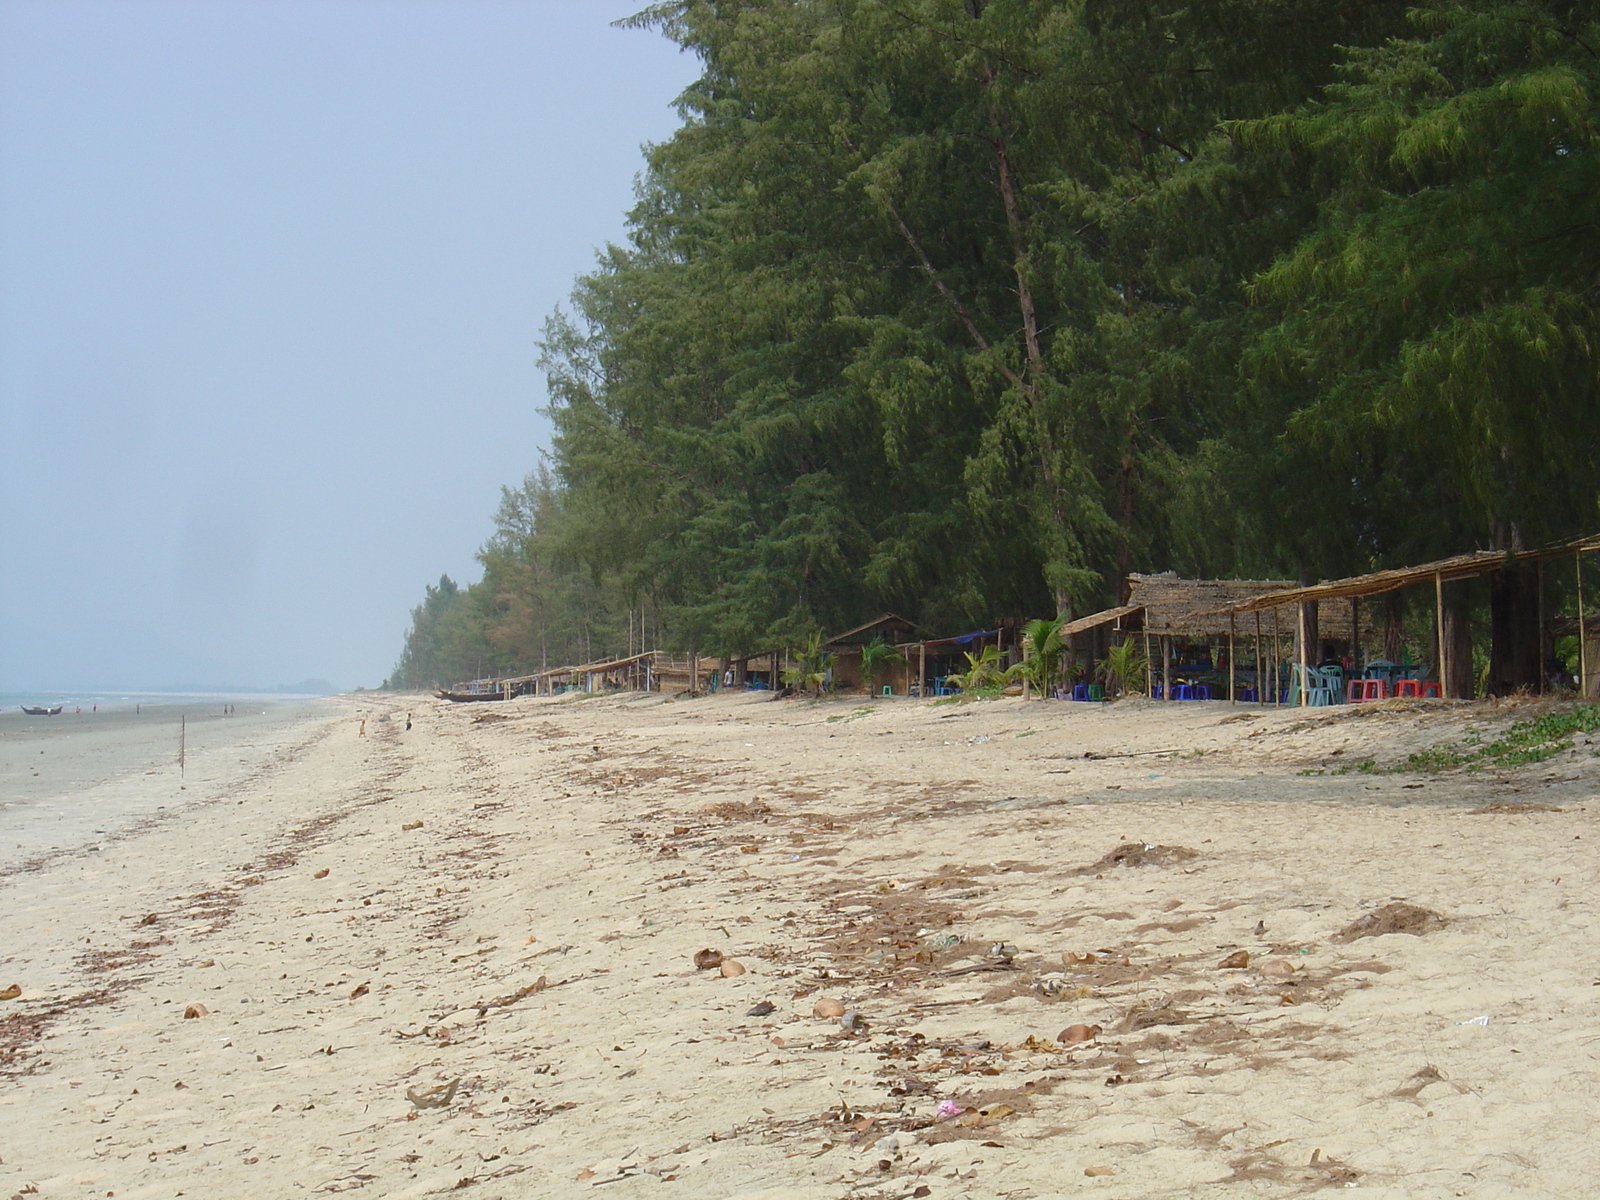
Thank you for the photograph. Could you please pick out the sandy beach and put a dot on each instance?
(462, 958)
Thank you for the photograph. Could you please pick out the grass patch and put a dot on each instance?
(1525, 742)
(851, 715)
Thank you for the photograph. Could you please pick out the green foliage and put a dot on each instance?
(810, 670)
(1042, 649)
(984, 670)
(963, 310)
(877, 656)
(1524, 742)
(1125, 668)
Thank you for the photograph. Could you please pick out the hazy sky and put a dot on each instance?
(271, 276)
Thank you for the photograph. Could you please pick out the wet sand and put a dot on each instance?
(69, 780)
(511, 896)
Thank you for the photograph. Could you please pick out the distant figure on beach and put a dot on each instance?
(408, 722)
(136, 708)
(363, 727)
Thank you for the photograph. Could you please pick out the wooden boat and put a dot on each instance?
(465, 697)
(43, 712)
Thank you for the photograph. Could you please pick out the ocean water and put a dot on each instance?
(110, 760)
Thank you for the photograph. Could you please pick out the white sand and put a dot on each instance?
(830, 848)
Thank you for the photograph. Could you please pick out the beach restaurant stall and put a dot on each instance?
(930, 663)
(846, 649)
(1184, 628)
(1519, 627)
(761, 671)
(1184, 631)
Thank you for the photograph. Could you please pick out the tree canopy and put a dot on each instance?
(964, 308)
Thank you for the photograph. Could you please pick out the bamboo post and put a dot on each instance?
(694, 672)
(1166, 666)
(1149, 673)
(1233, 672)
(1438, 620)
(1276, 654)
(1355, 631)
(1260, 699)
(1583, 640)
(922, 669)
(1305, 650)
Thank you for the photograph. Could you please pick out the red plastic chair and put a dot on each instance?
(1431, 691)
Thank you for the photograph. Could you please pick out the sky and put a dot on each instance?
(272, 275)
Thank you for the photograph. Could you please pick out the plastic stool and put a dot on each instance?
(1183, 691)
(888, 690)
(1410, 687)
(1080, 691)
(1155, 691)
(1096, 692)
(1247, 695)
(1202, 691)
(1358, 690)
(1430, 691)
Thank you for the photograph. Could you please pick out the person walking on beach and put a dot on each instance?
(363, 727)
(408, 722)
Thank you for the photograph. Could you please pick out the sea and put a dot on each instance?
(111, 760)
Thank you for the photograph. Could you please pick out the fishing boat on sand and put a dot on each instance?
(40, 711)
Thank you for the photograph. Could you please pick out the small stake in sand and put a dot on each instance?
(183, 737)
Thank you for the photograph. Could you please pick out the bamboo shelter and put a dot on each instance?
(1516, 615)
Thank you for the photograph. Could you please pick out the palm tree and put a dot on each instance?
(877, 656)
(1125, 668)
(983, 670)
(812, 669)
(1042, 648)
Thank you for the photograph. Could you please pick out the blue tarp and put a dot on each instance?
(964, 638)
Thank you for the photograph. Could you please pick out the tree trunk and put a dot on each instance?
(1458, 645)
(1393, 610)
(1515, 635)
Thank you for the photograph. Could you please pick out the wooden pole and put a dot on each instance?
(1232, 672)
(1260, 699)
(1305, 650)
(1544, 675)
(1438, 616)
(1166, 666)
(1149, 670)
(1277, 652)
(1355, 632)
(922, 669)
(1583, 641)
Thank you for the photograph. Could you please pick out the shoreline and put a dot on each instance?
(67, 781)
(513, 898)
